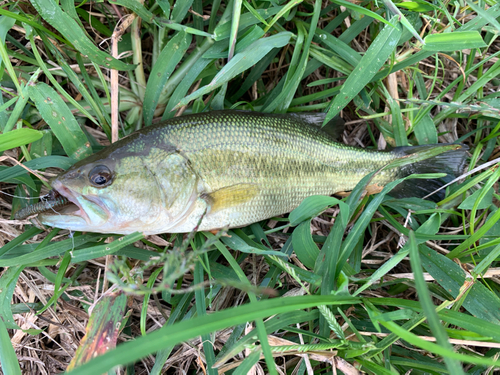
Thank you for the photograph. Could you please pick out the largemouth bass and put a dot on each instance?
(225, 168)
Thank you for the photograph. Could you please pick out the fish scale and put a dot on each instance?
(288, 161)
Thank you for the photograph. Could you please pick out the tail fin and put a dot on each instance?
(451, 162)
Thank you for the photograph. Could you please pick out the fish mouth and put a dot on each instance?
(74, 211)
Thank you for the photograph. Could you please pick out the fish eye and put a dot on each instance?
(100, 176)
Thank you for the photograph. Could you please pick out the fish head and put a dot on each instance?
(106, 194)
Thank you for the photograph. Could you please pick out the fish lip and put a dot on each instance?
(72, 196)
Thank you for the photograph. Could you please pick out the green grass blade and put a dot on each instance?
(245, 366)
(180, 10)
(69, 28)
(36, 164)
(374, 58)
(18, 137)
(239, 63)
(311, 207)
(304, 246)
(365, 12)
(425, 131)
(56, 84)
(485, 14)
(479, 301)
(168, 59)
(55, 249)
(201, 309)
(429, 309)
(60, 119)
(436, 349)
(103, 250)
(223, 30)
(454, 41)
(8, 358)
(7, 285)
(234, 28)
(137, 8)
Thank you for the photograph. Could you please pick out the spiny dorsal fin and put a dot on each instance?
(231, 196)
(334, 128)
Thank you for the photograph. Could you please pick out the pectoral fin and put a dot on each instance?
(230, 196)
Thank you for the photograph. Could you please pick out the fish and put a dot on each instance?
(224, 169)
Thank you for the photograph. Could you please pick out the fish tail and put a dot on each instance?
(450, 162)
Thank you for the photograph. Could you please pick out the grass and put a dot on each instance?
(373, 284)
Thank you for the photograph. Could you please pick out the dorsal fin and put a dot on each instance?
(334, 128)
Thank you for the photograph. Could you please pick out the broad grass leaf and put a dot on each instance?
(102, 329)
(71, 30)
(398, 125)
(180, 10)
(470, 202)
(239, 63)
(362, 222)
(425, 131)
(27, 234)
(303, 245)
(374, 58)
(479, 21)
(137, 8)
(60, 119)
(168, 59)
(493, 254)
(428, 306)
(417, 341)
(479, 301)
(251, 35)
(19, 106)
(18, 137)
(8, 283)
(479, 84)
(454, 41)
(384, 269)
(255, 74)
(43, 146)
(237, 243)
(311, 207)
(8, 358)
(55, 83)
(350, 55)
(94, 252)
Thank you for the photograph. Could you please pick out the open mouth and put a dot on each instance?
(59, 202)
